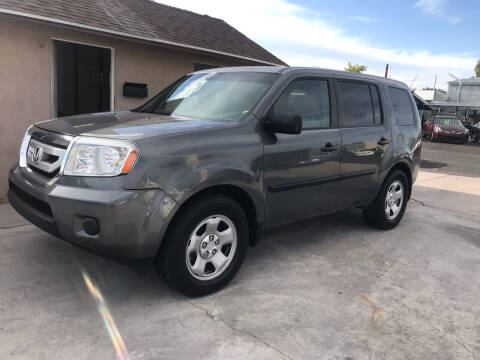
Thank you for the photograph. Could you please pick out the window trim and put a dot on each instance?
(415, 122)
(379, 105)
(331, 94)
(340, 103)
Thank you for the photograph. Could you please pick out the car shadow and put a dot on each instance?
(120, 283)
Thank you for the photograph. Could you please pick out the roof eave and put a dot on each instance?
(132, 36)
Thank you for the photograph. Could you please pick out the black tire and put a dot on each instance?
(171, 260)
(375, 214)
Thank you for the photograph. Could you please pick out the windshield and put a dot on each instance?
(448, 122)
(226, 96)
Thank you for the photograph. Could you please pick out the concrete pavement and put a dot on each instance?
(327, 288)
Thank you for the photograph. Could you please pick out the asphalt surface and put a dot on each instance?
(327, 288)
(452, 158)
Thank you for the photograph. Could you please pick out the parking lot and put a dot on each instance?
(327, 288)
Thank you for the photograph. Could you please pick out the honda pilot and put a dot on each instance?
(195, 175)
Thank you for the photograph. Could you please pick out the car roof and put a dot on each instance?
(298, 69)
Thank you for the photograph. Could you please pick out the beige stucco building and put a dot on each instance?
(44, 51)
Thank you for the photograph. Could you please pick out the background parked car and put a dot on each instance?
(446, 128)
(475, 133)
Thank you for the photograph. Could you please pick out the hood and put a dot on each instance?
(124, 125)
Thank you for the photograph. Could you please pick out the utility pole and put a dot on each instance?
(434, 87)
(386, 71)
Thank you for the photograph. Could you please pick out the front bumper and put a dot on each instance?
(132, 222)
(444, 136)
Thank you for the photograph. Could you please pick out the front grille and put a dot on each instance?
(39, 205)
(46, 151)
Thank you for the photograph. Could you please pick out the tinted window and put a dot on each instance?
(356, 104)
(308, 98)
(402, 106)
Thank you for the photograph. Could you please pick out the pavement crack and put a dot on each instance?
(418, 201)
(464, 346)
(441, 208)
(12, 227)
(240, 331)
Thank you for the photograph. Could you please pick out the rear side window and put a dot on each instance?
(402, 106)
(308, 98)
(357, 104)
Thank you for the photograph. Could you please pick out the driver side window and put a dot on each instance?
(308, 98)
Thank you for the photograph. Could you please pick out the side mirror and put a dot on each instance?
(284, 124)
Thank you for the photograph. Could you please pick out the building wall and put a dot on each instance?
(25, 73)
(469, 93)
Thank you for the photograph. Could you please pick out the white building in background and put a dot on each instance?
(464, 91)
(461, 99)
(426, 95)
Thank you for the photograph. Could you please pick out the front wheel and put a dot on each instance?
(205, 246)
(388, 208)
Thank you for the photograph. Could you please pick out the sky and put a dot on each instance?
(419, 39)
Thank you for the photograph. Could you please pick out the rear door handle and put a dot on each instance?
(328, 148)
(383, 141)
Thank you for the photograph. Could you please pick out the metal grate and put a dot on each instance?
(45, 153)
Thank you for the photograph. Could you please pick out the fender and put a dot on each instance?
(243, 181)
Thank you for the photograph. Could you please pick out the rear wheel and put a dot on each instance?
(205, 246)
(388, 208)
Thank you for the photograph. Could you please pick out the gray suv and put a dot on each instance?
(193, 177)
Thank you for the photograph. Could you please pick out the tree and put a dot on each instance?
(477, 69)
(355, 68)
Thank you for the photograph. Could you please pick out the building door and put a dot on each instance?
(82, 78)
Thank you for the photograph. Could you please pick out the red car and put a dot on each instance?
(447, 129)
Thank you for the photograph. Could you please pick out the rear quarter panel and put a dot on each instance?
(407, 139)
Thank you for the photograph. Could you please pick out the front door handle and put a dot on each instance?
(383, 141)
(328, 148)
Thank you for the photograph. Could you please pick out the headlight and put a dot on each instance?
(22, 154)
(438, 129)
(89, 156)
(466, 131)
